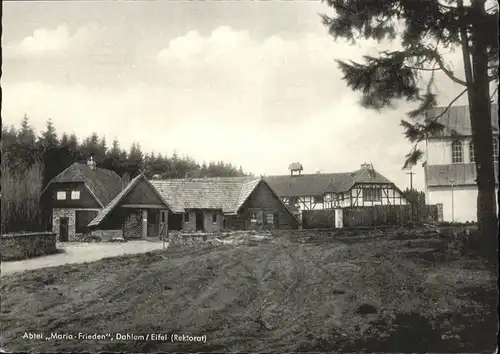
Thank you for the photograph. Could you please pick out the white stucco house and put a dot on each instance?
(450, 171)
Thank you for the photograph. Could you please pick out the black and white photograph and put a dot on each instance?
(249, 176)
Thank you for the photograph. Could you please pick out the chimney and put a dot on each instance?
(125, 179)
(91, 163)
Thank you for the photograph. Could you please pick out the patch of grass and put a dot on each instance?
(288, 294)
(58, 251)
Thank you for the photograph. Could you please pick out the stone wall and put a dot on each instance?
(58, 213)
(28, 245)
(105, 235)
(192, 238)
(189, 238)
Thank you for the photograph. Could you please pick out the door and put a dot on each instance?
(163, 223)
(63, 229)
(199, 221)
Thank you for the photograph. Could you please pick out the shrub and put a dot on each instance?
(21, 190)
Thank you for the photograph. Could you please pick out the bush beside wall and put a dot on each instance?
(27, 245)
(103, 235)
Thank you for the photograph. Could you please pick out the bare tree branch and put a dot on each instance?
(447, 71)
(421, 69)
(494, 92)
(447, 108)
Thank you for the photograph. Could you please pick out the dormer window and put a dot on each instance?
(457, 152)
(75, 195)
(61, 195)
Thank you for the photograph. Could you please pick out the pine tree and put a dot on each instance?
(73, 142)
(26, 135)
(48, 138)
(424, 29)
(64, 140)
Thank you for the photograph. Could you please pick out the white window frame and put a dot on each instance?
(372, 194)
(75, 195)
(457, 152)
(472, 156)
(266, 220)
(495, 149)
(61, 195)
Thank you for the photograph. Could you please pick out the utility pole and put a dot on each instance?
(411, 179)
(452, 181)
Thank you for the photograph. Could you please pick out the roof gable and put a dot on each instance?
(120, 196)
(103, 184)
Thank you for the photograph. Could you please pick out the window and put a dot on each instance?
(269, 218)
(214, 217)
(253, 217)
(372, 194)
(318, 199)
(456, 152)
(163, 216)
(75, 195)
(495, 149)
(186, 217)
(471, 152)
(61, 195)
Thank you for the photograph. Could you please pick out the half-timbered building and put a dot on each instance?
(363, 187)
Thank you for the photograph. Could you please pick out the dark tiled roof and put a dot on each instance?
(457, 119)
(103, 183)
(226, 194)
(320, 183)
(461, 174)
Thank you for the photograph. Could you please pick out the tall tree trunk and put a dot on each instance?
(482, 135)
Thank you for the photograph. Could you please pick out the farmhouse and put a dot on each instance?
(450, 171)
(363, 187)
(149, 208)
(76, 195)
(232, 203)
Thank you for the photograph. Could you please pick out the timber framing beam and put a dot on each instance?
(144, 206)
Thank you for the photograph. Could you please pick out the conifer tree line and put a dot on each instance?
(29, 161)
(22, 148)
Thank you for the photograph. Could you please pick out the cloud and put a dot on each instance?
(261, 103)
(273, 73)
(49, 42)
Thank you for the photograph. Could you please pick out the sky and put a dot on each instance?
(252, 83)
